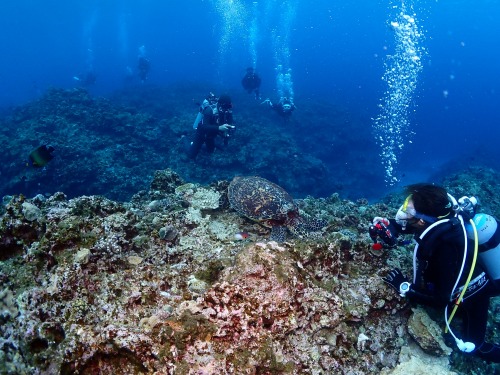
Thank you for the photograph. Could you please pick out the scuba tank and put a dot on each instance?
(197, 119)
(488, 233)
(210, 101)
(199, 116)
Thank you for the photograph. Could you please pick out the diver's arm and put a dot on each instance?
(426, 298)
(420, 297)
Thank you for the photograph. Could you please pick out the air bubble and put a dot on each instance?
(402, 69)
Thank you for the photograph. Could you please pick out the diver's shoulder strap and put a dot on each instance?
(433, 232)
(436, 229)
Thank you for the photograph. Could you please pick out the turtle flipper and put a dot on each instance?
(278, 233)
(315, 225)
(311, 228)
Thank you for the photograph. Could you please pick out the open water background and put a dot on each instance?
(337, 54)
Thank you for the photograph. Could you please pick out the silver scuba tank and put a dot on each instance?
(206, 103)
(197, 120)
(199, 116)
(488, 237)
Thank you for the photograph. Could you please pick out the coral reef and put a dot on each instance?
(159, 285)
(112, 147)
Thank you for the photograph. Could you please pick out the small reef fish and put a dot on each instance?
(40, 156)
(240, 236)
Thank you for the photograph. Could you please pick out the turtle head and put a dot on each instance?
(292, 218)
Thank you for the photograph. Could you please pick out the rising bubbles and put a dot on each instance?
(392, 126)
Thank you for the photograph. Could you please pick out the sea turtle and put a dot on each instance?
(269, 204)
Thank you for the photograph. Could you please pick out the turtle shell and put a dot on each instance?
(261, 200)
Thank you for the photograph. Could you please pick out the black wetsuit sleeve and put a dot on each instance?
(421, 297)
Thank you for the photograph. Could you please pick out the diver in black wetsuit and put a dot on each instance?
(284, 107)
(251, 82)
(433, 217)
(216, 119)
(143, 67)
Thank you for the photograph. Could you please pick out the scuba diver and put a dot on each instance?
(86, 79)
(214, 118)
(143, 67)
(446, 274)
(143, 64)
(284, 107)
(251, 82)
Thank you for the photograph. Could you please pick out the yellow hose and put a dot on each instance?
(459, 300)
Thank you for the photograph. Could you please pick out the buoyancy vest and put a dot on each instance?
(444, 231)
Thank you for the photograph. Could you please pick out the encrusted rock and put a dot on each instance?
(149, 323)
(204, 199)
(427, 333)
(8, 305)
(415, 366)
(134, 260)
(82, 256)
(165, 181)
(196, 285)
(168, 233)
(31, 212)
(158, 205)
(222, 231)
(362, 339)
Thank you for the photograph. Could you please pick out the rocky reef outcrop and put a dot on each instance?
(160, 285)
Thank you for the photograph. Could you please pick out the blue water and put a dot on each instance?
(335, 52)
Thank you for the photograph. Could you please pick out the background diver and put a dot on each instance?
(143, 67)
(86, 79)
(143, 64)
(283, 107)
(251, 82)
(214, 118)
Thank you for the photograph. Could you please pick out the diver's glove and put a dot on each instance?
(397, 281)
(225, 127)
(267, 101)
